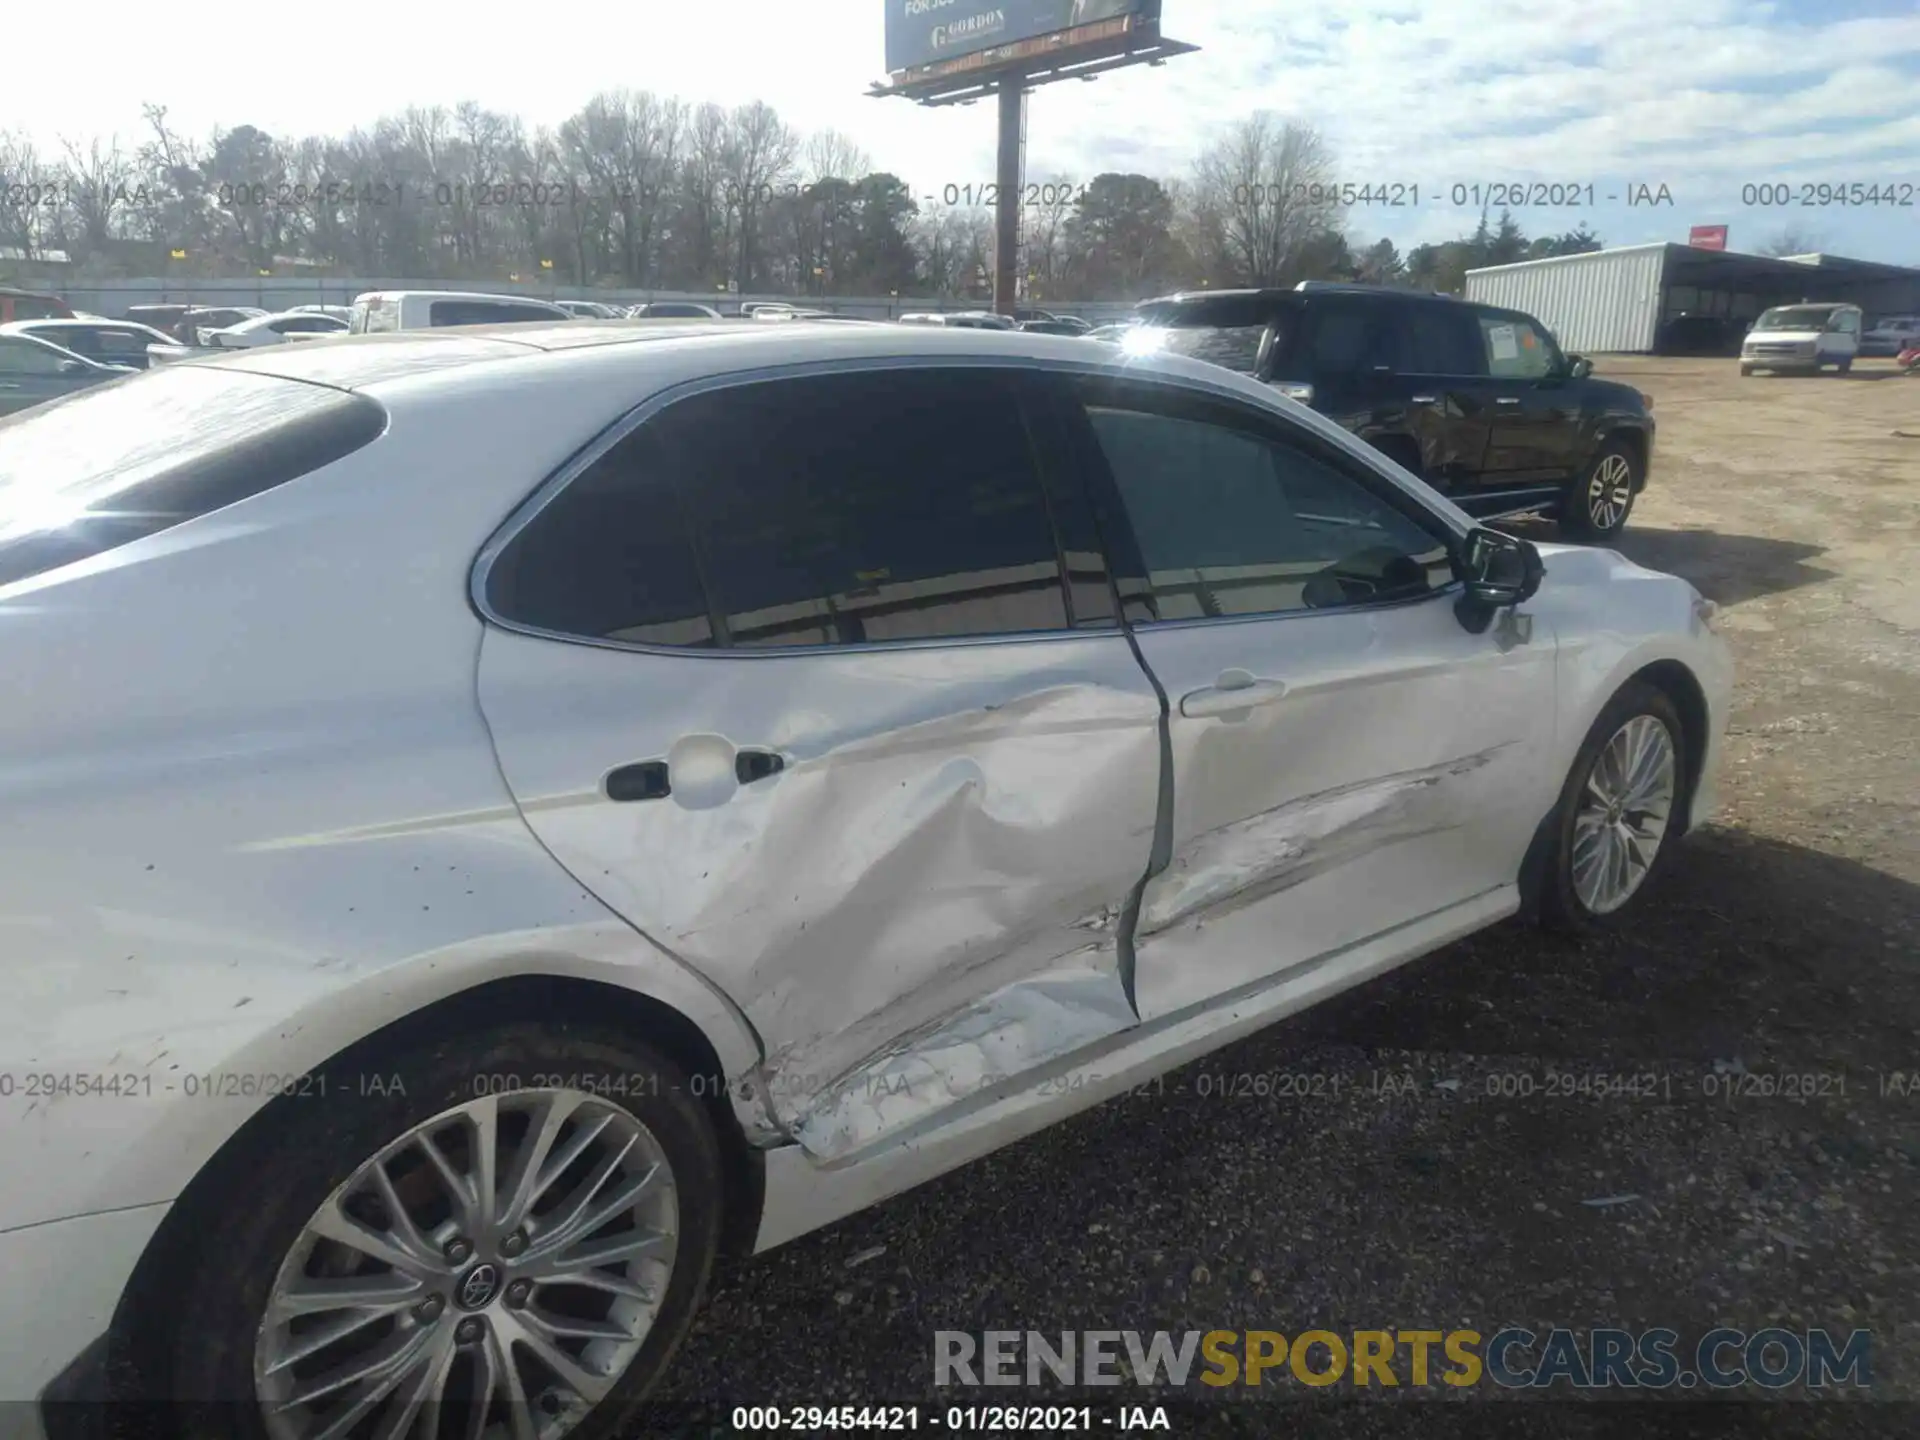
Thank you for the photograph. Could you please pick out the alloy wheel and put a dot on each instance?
(491, 1273)
(1610, 491)
(1623, 814)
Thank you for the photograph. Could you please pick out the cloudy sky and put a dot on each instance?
(1703, 97)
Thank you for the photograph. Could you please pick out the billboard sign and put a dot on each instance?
(935, 32)
(1707, 237)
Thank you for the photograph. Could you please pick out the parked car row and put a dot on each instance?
(505, 817)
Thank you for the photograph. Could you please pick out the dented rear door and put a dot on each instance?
(810, 680)
(1346, 757)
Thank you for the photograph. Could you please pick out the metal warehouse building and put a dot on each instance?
(1620, 300)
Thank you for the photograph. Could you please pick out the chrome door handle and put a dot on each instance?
(1507, 400)
(1424, 400)
(1235, 692)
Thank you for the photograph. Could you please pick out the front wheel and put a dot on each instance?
(1845, 367)
(519, 1232)
(1597, 504)
(1617, 811)
(1746, 369)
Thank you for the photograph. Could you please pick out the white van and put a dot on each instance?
(1803, 337)
(379, 312)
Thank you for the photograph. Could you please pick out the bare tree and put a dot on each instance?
(25, 184)
(703, 209)
(757, 160)
(1045, 236)
(1261, 194)
(100, 186)
(1794, 239)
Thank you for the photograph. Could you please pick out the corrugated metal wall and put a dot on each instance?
(1606, 301)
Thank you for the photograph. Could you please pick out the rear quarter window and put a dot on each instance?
(85, 475)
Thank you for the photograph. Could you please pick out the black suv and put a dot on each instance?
(1478, 402)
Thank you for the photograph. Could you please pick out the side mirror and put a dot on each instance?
(73, 367)
(1579, 367)
(1497, 570)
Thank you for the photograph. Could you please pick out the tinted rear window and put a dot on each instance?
(84, 475)
(487, 312)
(1224, 330)
(38, 307)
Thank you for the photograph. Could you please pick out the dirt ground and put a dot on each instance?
(1785, 941)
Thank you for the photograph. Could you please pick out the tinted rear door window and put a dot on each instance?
(876, 506)
(821, 510)
(1353, 339)
(1442, 340)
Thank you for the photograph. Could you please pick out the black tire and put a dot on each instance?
(1555, 900)
(1845, 367)
(1580, 507)
(1746, 369)
(205, 1351)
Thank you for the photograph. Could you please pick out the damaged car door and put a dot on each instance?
(809, 677)
(1346, 756)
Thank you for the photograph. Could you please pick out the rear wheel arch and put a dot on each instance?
(132, 1337)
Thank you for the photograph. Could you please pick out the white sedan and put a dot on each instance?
(272, 330)
(497, 817)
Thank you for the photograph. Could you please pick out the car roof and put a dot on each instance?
(452, 295)
(1275, 295)
(707, 347)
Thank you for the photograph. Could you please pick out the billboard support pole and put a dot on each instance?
(1006, 217)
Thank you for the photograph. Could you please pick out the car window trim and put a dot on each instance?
(1262, 425)
(595, 449)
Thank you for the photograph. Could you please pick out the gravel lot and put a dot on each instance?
(1783, 941)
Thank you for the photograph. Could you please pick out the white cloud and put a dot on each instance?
(1697, 94)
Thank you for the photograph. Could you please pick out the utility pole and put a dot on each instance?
(1006, 226)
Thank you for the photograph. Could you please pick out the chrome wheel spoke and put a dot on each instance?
(313, 1341)
(589, 1385)
(382, 1294)
(461, 1189)
(422, 1395)
(507, 1385)
(333, 1223)
(594, 1278)
(608, 1250)
(484, 1118)
(567, 1327)
(379, 1370)
(566, 1221)
(523, 1183)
